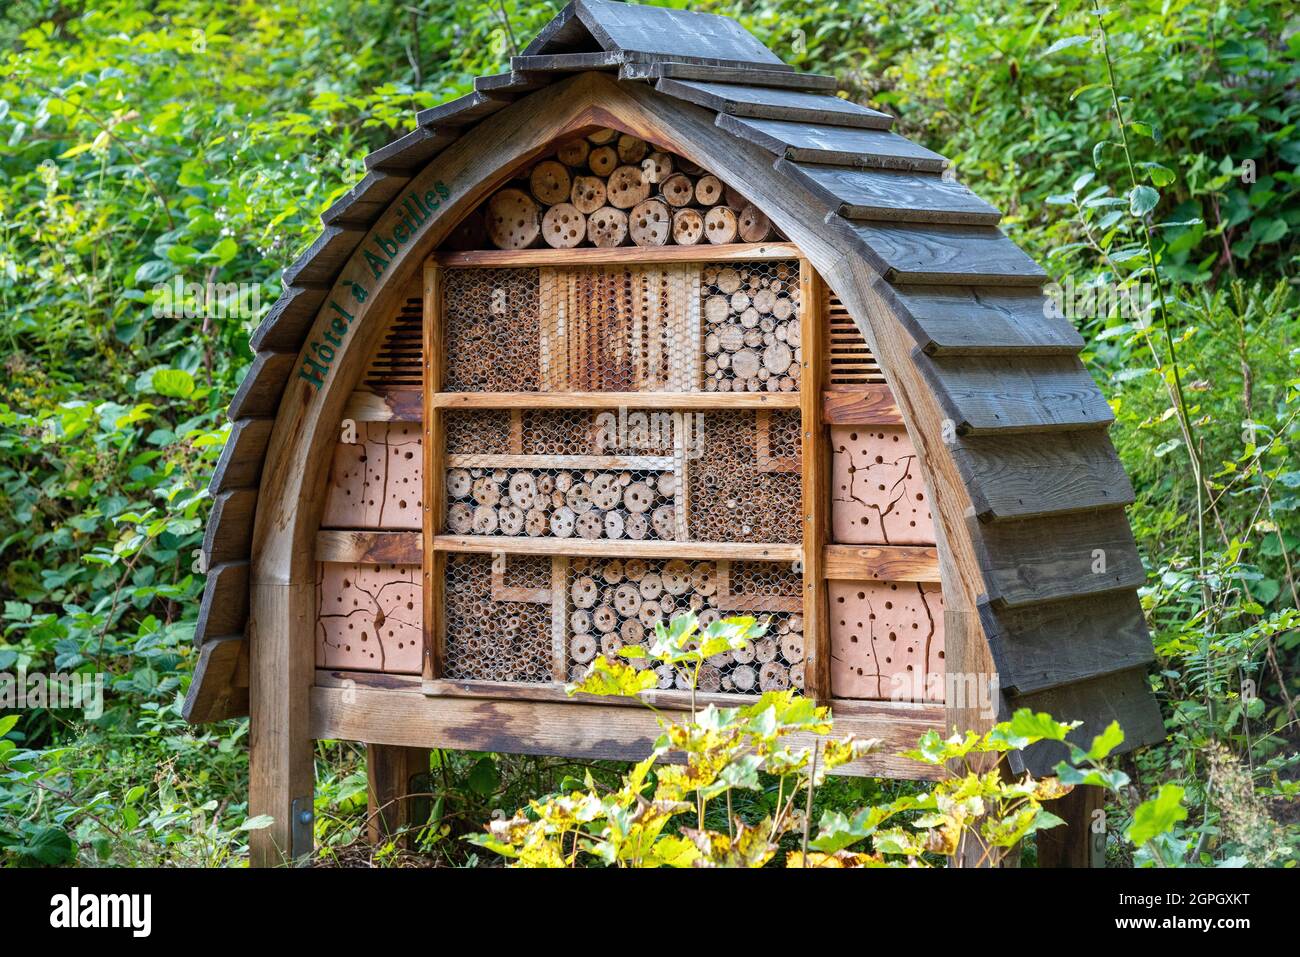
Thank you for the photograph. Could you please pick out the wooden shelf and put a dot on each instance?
(592, 256)
(616, 400)
(618, 548)
(636, 463)
(900, 563)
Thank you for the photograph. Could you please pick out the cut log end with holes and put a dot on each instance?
(513, 220)
(607, 227)
(720, 226)
(564, 226)
(650, 223)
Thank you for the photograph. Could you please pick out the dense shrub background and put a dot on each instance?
(143, 139)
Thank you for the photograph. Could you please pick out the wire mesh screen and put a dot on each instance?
(490, 329)
(717, 327)
(752, 327)
(497, 618)
(614, 603)
(716, 476)
(619, 329)
(559, 502)
(746, 484)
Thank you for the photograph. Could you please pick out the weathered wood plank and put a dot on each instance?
(866, 405)
(368, 547)
(1124, 697)
(834, 145)
(749, 76)
(224, 608)
(568, 62)
(947, 255)
(951, 321)
(621, 548)
(259, 394)
(1026, 476)
(814, 468)
(214, 694)
(1075, 843)
(321, 261)
(614, 400)
(617, 255)
(410, 151)
(1040, 647)
(573, 729)
(286, 325)
(775, 104)
(636, 463)
(240, 464)
(361, 205)
(228, 535)
(985, 394)
(1047, 559)
(898, 196)
(281, 756)
(511, 82)
(462, 111)
(650, 31)
(399, 405)
(898, 563)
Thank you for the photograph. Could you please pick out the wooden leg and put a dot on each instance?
(1081, 841)
(281, 764)
(390, 770)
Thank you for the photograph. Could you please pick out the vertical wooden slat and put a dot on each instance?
(434, 562)
(815, 454)
(559, 616)
(695, 330)
(683, 441)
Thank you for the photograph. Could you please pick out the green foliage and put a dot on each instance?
(977, 813)
(199, 139)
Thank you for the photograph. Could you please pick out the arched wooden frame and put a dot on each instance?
(287, 712)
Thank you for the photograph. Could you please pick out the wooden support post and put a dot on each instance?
(391, 774)
(815, 490)
(281, 764)
(1081, 841)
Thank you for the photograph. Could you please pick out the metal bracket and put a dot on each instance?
(302, 828)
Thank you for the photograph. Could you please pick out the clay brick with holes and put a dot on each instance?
(369, 618)
(375, 482)
(878, 495)
(886, 640)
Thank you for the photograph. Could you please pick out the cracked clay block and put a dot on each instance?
(878, 495)
(886, 640)
(369, 618)
(376, 481)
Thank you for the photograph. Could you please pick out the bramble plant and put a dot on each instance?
(656, 816)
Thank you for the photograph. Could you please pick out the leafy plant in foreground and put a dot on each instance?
(656, 816)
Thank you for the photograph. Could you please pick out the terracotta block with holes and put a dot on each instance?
(886, 640)
(369, 618)
(376, 481)
(877, 491)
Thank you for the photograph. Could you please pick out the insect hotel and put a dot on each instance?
(654, 323)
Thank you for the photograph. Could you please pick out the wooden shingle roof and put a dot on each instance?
(1028, 423)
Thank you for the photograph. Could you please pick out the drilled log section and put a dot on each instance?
(607, 190)
(752, 327)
